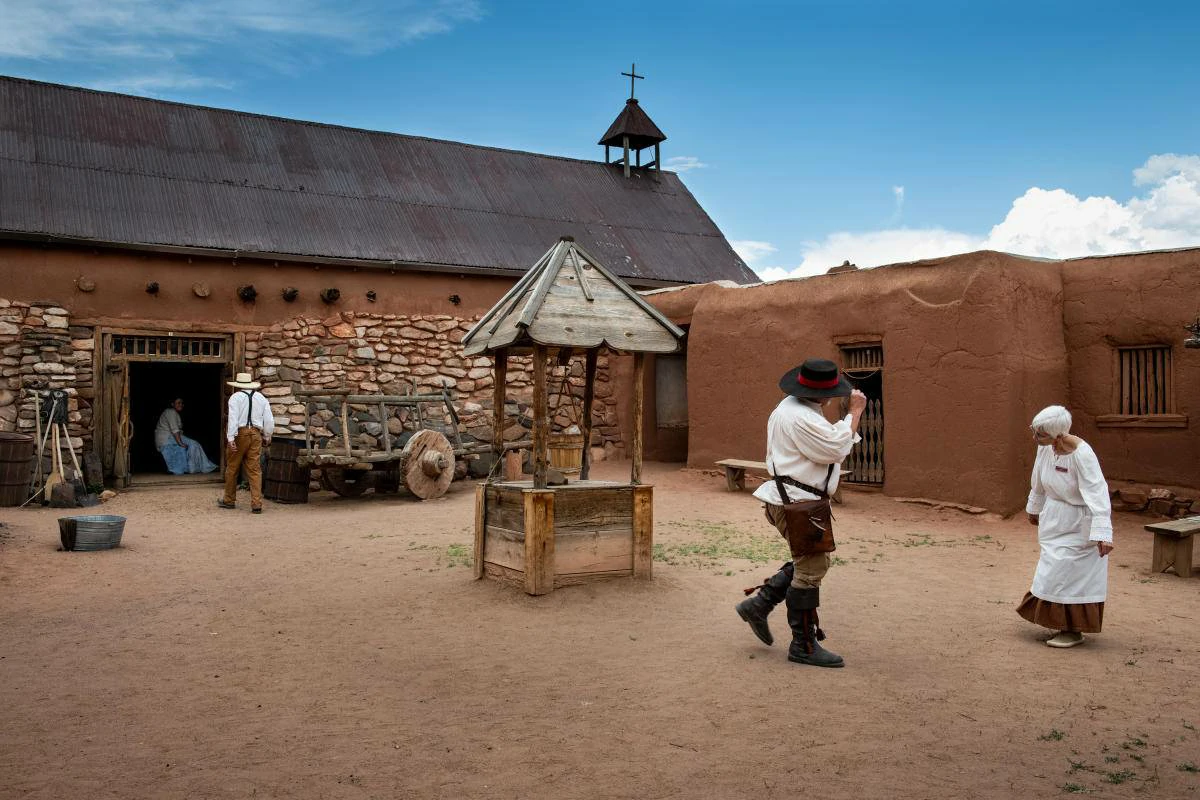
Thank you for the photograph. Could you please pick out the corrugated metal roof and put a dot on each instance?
(82, 164)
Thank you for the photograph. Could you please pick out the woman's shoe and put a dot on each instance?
(1065, 639)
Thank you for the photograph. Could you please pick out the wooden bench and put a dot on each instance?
(1173, 545)
(735, 474)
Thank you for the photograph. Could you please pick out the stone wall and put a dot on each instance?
(40, 350)
(370, 353)
(398, 354)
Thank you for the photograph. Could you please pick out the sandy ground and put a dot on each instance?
(341, 650)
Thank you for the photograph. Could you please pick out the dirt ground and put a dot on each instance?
(340, 649)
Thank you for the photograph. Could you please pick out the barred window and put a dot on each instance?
(1144, 374)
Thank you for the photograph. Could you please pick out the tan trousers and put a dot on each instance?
(247, 449)
(809, 569)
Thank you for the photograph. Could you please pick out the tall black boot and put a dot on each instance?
(806, 634)
(755, 609)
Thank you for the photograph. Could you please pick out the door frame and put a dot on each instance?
(118, 347)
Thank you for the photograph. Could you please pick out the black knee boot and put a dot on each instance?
(806, 633)
(755, 609)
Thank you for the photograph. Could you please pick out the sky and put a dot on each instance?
(812, 132)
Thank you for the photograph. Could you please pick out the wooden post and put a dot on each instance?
(501, 376)
(541, 421)
(346, 423)
(643, 531)
(657, 158)
(639, 372)
(625, 144)
(480, 528)
(387, 436)
(539, 541)
(589, 395)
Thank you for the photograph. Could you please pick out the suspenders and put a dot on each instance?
(249, 406)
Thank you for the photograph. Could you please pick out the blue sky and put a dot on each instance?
(812, 132)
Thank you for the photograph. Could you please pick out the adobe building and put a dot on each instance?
(956, 356)
(151, 249)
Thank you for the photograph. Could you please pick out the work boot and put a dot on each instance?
(806, 633)
(754, 610)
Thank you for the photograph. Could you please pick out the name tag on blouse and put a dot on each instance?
(1060, 469)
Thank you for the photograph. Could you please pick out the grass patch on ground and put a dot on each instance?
(717, 543)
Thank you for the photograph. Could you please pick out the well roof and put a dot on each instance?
(568, 299)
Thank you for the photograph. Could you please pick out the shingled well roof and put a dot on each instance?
(77, 164)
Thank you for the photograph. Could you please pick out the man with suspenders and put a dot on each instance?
(249, 427)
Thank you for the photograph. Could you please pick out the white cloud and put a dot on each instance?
(1046, 223)
(753, 252)
(188, 43)
(898, 211)
(683, 163)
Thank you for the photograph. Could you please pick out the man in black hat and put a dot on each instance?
(805, 451)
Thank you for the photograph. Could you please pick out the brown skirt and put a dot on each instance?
(1081, 617)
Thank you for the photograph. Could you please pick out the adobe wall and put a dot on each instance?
(120, 277)
(1140, 299)
(973, 347)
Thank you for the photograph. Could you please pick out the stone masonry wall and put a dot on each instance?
(397, 354)
(40, 350)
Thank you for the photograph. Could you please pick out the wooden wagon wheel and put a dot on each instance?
(346, 482)
(427, 464)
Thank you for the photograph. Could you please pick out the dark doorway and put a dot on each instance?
(153, 385)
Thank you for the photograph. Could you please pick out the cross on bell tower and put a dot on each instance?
(633, 130)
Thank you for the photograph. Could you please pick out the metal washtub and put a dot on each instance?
(91, 531)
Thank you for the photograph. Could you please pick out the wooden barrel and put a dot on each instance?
(566, 451)
(16, 467)
(285, 481)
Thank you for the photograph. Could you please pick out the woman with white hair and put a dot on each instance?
(1069, 503)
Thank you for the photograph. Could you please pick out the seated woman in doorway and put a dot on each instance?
(1069, 504)
(183, 455)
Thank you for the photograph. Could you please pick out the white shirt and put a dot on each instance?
(261, 416)
(801, 444)
(169, 424)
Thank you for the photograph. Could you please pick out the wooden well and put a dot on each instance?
(542, 539)
(539, 536)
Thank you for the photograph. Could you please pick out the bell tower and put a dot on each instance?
(633, 130)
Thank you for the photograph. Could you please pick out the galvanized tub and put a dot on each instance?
(91, 531)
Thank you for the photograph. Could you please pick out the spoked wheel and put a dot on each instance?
(346, 482)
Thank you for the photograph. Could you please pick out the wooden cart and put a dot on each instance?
(417, 458)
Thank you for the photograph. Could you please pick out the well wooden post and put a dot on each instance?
(643, 531)
(500, 376)
(639, 371)
(541, 417)
(589, 395)
(480, 527)
(539, 541)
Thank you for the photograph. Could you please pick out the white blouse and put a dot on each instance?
(1074, 479)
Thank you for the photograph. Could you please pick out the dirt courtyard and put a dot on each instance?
(340, 649)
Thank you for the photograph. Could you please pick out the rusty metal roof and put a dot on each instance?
(77, 164)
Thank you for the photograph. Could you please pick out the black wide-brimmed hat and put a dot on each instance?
(815, 379)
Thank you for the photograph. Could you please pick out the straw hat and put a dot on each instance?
(244, 380)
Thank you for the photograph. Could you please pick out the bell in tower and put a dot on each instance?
(633, 130)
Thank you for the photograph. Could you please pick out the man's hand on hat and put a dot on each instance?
(858, 402)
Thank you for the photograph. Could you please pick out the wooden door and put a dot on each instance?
(863, 367)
